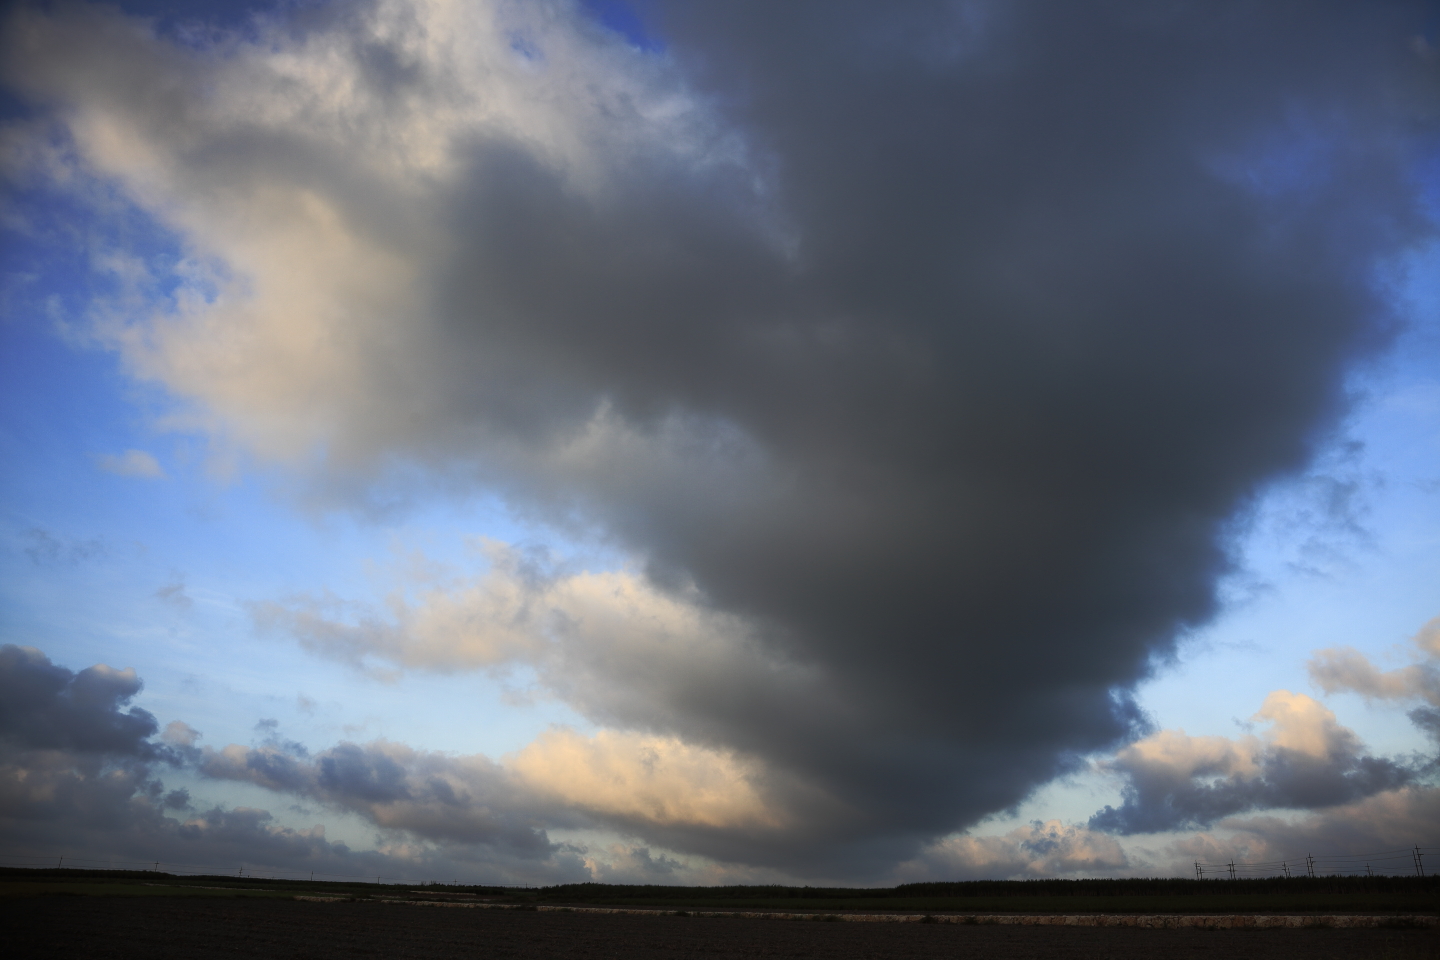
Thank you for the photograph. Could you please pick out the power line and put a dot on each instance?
(1402, 861)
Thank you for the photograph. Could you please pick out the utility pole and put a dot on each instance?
(1199, 873)
(1232, 869)
(1286, 868)
(1419, 864)
(1309, 865)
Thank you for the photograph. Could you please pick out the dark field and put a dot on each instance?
(161, 928)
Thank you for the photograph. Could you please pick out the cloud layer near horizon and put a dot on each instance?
(1305, 760)
(81, 774)
(921, 358)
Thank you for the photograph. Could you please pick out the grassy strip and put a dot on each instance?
(990, 889)
(1254, 904)
(230, 881)
(1302, 895)
(12, 890)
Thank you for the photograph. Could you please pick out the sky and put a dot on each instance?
(699, 443)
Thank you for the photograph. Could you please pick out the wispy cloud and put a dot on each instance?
(44, 547)
(173, 594)
(1346, 669)
(132, 463)
(1340, 669)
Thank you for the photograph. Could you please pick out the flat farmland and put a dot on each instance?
(1299, 903)
(162, 928)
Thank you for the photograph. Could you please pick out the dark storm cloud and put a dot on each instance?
(1071, 283)
(941, 350)
(44, 706)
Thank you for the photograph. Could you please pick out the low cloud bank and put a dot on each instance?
(82, 776)
(1040, 849)
(1305, 759)
(674, 812)
(79, 773)
(1394, 821)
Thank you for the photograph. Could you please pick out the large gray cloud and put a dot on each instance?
(937, 344)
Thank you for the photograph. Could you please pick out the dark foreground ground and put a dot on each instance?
(162, 928)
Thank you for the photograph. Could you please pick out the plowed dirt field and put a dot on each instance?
(172, 929)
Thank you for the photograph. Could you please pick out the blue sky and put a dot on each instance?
(312, 454)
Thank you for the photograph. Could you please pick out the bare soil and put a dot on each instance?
(165, 928)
